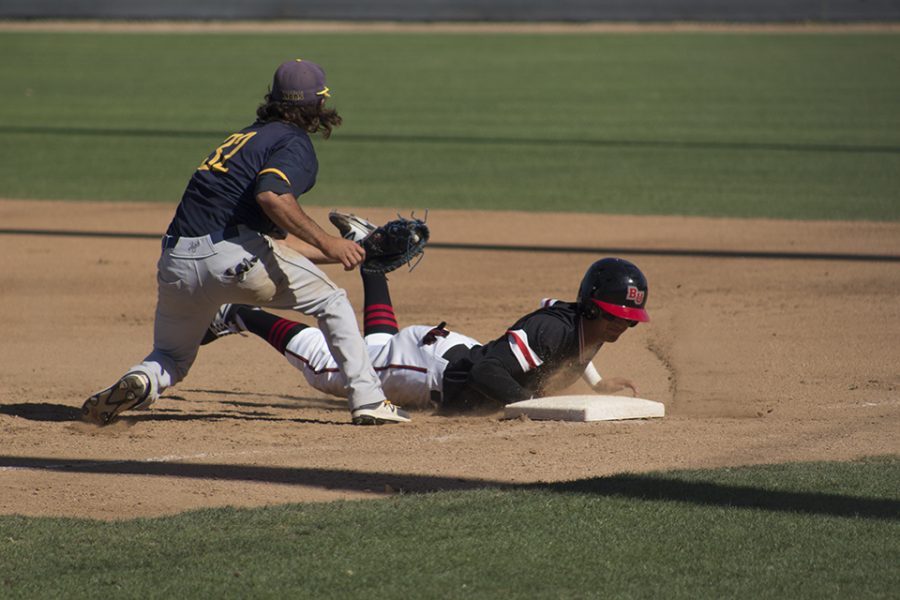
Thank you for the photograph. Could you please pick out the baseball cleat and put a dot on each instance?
(132, 389)
(350, 226)
(226, 322)
(379, 414)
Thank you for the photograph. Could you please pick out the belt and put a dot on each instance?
(170, 241)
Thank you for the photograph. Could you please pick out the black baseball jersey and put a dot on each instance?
(542, 352)
(274, 156)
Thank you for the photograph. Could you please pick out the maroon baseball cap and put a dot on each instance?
(299, 81)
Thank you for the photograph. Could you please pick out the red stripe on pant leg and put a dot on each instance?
(403, 367)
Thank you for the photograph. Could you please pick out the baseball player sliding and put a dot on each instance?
(544, 351)
(221, 248)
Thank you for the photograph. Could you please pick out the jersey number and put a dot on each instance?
(229, 148)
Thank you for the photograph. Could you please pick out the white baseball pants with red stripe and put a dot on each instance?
(409, 370)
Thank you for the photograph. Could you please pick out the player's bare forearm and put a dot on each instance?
(308, 250)
(284, 211)
(287, 214)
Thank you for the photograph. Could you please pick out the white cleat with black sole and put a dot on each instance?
(380, 414)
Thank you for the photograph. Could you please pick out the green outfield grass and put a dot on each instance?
(761, 125)
(820, 530)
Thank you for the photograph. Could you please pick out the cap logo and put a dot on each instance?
(635, 295)
(299, 81)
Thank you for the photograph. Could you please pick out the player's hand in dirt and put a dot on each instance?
(611, 385)
(350, 254)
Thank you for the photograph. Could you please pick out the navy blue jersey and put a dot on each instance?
(274, 156)
(540, 353)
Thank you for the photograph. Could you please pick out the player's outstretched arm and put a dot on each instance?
(315, 255)
(610, 385)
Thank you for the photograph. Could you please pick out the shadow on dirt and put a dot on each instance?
(42, 411)
(664, 489)
(598, 250)
(650, 488)
(60, 413)
(336, 479)
(292, 402)
(133, 418)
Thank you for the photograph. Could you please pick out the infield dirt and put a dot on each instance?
(758, 360)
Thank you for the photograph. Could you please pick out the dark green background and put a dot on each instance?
(762, 125)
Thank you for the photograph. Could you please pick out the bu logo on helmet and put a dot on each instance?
(635, 295)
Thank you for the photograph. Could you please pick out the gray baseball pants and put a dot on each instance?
(197, 275)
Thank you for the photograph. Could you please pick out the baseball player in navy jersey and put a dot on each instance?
(221, 247)
(541, 353)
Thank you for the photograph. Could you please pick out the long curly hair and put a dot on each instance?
(311, 118)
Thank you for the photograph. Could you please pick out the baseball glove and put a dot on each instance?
(394, 244)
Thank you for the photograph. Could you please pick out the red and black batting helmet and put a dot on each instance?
(614, 286)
